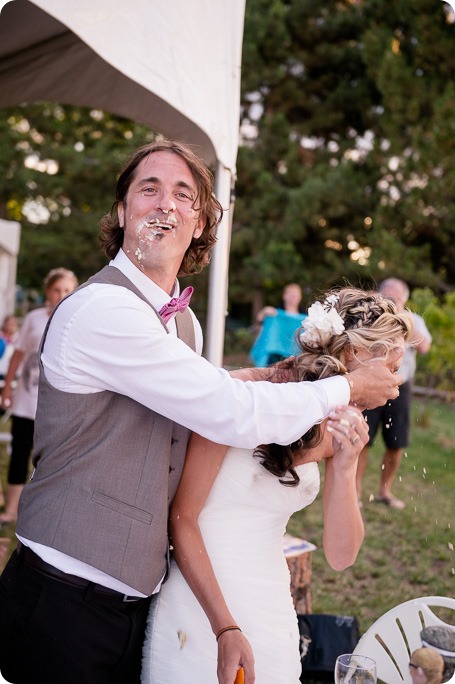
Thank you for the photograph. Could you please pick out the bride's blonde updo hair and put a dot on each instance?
(347, 320)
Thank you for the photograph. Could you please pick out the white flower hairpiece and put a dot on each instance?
(322, 323)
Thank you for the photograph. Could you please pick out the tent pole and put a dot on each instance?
(10, 234)
(218, 276)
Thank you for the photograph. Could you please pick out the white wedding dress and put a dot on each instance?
(242, 523)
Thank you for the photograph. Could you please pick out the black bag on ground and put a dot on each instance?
(322, 639)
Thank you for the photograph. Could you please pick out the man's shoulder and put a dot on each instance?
(100, 303)
(419, 323)
(93, 293)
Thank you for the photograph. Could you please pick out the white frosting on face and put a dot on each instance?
(156, 228)
(151, 231)
(166, 224)
(172, 208)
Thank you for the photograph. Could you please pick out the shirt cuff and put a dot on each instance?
(337, 390)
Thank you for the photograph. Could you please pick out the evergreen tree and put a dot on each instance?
(345, 173)
(412, 61)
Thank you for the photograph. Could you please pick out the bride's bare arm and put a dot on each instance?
(203, 461)
(343, 525)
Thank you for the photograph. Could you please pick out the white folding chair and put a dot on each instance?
(396, 634)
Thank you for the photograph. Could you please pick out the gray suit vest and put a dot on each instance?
(106, 471)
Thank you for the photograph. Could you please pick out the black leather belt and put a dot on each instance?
(31, 559)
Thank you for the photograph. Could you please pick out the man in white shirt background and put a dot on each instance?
(394, 416)
(119, 392)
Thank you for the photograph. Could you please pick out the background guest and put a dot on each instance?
(394, 416)
(276, 340)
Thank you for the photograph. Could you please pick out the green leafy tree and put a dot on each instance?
(344, 171)
(59, 165)
(436, 368)
(411, 59)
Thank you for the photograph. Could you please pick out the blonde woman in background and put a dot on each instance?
(23, 400)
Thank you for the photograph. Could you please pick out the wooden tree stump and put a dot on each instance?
(298, 556)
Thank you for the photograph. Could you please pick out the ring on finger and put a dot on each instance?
(355, 440)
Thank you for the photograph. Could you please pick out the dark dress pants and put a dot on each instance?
(58, 634)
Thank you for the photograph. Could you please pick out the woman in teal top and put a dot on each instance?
(276, 340)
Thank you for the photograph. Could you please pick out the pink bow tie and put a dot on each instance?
(176, 304)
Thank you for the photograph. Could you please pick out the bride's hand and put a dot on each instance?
(234, 650)
(349, 435)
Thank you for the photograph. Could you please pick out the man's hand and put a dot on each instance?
(373, 384)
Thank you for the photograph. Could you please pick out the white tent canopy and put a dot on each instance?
(173, 65)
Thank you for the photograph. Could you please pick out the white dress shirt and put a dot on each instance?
(104, 337)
